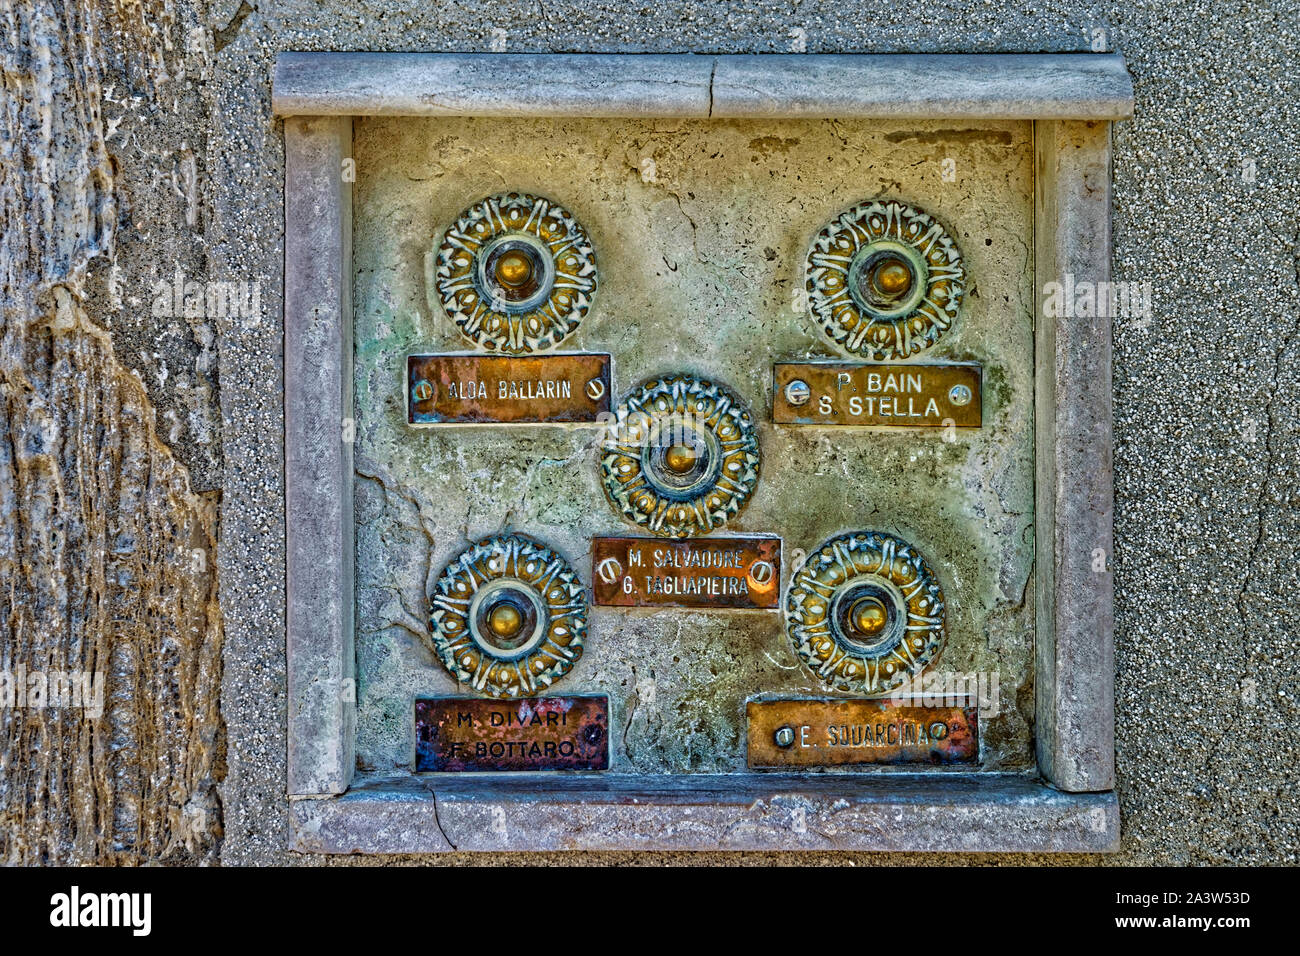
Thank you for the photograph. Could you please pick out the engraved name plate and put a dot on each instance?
(903, 395)
(827, 733)
(539, 733)
(734, 572)
(485, 389)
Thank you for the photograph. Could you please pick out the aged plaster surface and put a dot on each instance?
(107, 553)
(701, 232)
(1207, 431)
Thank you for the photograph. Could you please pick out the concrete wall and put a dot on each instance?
(168, 124)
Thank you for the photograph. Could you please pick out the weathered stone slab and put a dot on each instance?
(318, 454)
(1075, 727)
(486, 84)
(937, 813)
(923, 86)
(770, 86)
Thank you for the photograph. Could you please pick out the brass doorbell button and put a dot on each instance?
(884, 280)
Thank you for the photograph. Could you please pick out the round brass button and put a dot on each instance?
(505, 620)
(680, 458)
(516, 273)
(865, 613)
(869, 616)
(508, 617)
(683, 458)
(514, 269)
(892, 278)
(903, 275)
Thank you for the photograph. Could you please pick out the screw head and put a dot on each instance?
(959, 394)
(798, 392)
(595, 389)
(423, 390)
(609, 570)
(784, 736)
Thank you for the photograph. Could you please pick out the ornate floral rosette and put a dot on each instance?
(884, 280)
(508, 617)
(681, 457)
(516, 273)
(866, 613)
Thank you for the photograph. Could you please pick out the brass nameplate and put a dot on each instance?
(483, 389)
(540, 733)
(903, 395)
(690, 572)
(827, 733)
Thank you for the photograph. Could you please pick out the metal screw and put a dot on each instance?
(798, 392)
(760, 572)
(609, 570)
(595, 389)
(938, 730)
(784, 736)
(423, 390)
(959, 394)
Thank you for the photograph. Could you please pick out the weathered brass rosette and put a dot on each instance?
(866, 613)
(508, 616)
(516, 273)
(884, 280)
(681, 457)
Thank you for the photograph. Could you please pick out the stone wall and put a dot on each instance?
(107, 539)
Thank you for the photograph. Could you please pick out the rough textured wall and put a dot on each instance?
(107, 555)
(1207, 433)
